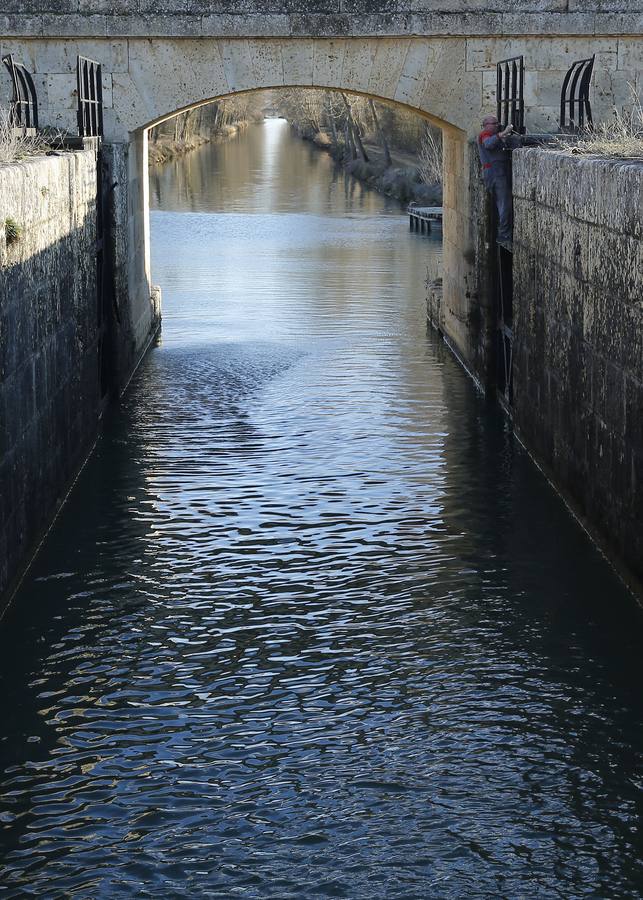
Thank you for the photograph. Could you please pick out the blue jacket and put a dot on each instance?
(495, 155)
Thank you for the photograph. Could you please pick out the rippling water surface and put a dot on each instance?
(311, 623)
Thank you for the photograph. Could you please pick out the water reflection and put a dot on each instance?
(312, 624)
(262, 176)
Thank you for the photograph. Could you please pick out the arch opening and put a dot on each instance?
(367, 168)
(439, 122)
(457, 245)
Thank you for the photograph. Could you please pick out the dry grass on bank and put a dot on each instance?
(15, 146)
(621, 138)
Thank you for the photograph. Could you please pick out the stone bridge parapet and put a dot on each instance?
(324, 18)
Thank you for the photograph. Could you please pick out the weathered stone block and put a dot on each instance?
(618, 23)
(442, 24)
(390, 56)
(320, 26)
(151, 26)
(108, 7)
(620, 197)
(630, 55)
(557, 24)
(134, 108)
(62, 91)
(599, 6)
(358, 63)
(381, 25)
(456, 6)
(231, 26)
(360, 7)
(53, 57)
(21, 25)
(268, 65)
(328, 62)
(616, 265)
(421, 57)
(73, 26)
(297, 58)
(203, 79)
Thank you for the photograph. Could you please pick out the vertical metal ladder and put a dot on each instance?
(504, 318)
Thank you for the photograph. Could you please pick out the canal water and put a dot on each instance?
(312, 624)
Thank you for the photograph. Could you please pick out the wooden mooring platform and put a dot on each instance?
(421, 218)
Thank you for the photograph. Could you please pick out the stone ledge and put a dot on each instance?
(440, 20)
(599, 190)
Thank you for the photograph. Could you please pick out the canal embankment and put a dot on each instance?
(390, 149)
(165, 148)
(397, 176)
(50, 343)
(192, 129)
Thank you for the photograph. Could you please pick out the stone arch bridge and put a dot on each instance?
(435, 56)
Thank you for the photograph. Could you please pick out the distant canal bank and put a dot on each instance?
(400, 179)
(311, 616)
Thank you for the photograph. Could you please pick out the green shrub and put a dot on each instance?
(13, 231)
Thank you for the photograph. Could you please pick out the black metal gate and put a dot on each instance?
(90, 125)
(510, 90)
(104, 276)
(89, 78)
(23, 108)
(575, 106)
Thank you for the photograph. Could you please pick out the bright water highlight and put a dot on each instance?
(312, 624)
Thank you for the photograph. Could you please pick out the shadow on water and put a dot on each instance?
(311, 622)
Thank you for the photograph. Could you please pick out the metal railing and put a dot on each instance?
(23, 107)
(89, 77)
(510, 90)
(575, 106)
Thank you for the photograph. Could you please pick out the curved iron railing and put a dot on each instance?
(575, 106)
(23, 108)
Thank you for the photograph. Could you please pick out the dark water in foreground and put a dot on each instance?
(311, 623)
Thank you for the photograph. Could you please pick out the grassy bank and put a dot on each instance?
(166, 148)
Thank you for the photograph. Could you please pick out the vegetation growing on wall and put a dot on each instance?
(12, 230)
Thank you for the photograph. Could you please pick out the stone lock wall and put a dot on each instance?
(136, 312)
(578, 331)
(461, 293)
(49, 343)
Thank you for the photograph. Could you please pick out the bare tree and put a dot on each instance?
(430, 157)
(354, 130)
(381, 136)
(331, 117)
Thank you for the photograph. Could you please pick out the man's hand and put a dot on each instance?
(507, 131)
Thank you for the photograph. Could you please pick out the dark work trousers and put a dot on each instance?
(499, 186)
